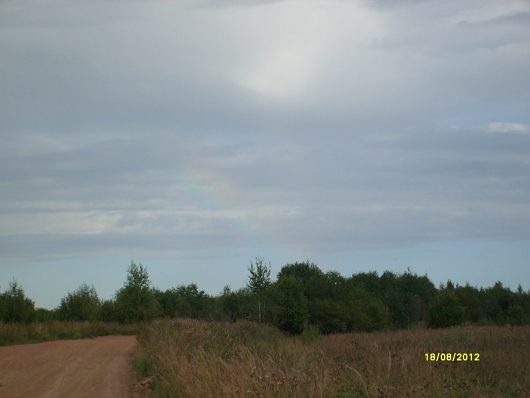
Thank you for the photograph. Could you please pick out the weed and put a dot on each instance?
(13, 333)
(191, 358)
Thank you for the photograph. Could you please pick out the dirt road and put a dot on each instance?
(88, 368)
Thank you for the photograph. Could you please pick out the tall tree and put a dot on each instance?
(258, 282)
(136, 300)
(293, 313)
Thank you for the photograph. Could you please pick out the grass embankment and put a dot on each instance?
(188, 358)
(44, 331)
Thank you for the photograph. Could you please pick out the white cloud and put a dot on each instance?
(508, 128)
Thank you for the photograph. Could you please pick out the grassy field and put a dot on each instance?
(187, 358)
(44, 331)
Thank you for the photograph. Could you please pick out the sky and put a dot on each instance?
(193, 136)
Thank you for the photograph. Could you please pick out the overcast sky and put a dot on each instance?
(193, 136)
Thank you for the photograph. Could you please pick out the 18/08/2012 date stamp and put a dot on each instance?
(452, 357)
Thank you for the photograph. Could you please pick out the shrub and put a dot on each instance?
(16, 307)
(445, 310)
(81, 305)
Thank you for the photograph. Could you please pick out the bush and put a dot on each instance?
(45, 315)
(329, 315)
(81, 305)
(107, 311)
(15, 306)
(378, 315)
(44, 331)
(445, 310)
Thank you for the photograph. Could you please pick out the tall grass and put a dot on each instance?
(11, 333)
(188, 358)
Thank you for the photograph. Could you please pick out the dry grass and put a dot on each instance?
(188, 358)
(44, 331)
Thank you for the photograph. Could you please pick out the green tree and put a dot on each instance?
(417, 291)
(230, 303)
(259, 281)
(292, 307)
(329, 315)
(368, 281)
(497, 299)
(518, 313)
(470, 299)
(377, 314)
(136, 301)
(2, 307)
(16, 306)
(445, 310)
(81, 305)
(185, 301)
(44, 315)
(313, 280)
(107, 311)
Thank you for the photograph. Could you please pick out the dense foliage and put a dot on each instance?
(81, 305)
(136, 300)
(15, 306)
(303, 297)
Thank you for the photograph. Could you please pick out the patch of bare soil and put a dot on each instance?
(87, 368)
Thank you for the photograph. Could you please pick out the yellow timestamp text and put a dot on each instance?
(452, 356)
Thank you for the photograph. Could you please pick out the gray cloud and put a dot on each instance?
(163, 128)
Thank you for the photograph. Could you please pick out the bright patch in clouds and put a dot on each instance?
(298, 44)
(287, 61)
(508, 128)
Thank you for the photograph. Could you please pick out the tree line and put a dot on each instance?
(301, 298)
